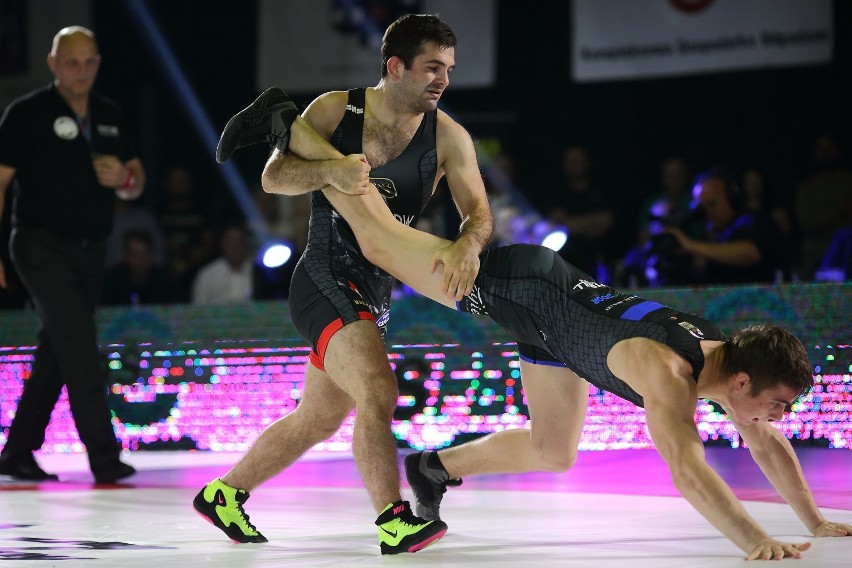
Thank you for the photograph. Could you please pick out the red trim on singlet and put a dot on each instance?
(318, 359)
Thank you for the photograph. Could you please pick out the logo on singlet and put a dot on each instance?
(583, 284)
(404, 219)
(383, 319)
(475, 303)
(693, 331)
(386, 187)
(354, 109)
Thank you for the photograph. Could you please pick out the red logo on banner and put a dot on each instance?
(690, 6)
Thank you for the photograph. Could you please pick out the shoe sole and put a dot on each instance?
(228, 141)
(207, 518)
(434, 538)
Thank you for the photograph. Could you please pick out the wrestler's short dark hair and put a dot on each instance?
(405, 37)
(771, 356)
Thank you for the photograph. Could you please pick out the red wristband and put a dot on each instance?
(129, 181)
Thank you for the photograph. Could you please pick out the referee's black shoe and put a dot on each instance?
(24, 467)
(267, 119)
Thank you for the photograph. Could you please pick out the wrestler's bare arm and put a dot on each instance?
(669, 392)
(404, 252)
(313, 163)
(457, 160)
(774, 454)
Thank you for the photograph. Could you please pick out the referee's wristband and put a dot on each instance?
(129, 181)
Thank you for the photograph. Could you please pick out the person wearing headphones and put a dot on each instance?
(741, 245)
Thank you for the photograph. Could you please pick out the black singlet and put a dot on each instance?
(333, 284)
(560, 316)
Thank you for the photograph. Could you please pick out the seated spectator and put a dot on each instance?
(759, 198)
(823, 204)
(187, 225)
(133, 215)
(229, 278)
(137, 279)
(740, 245)
(648, 263)
(670, 204)
(585, 209)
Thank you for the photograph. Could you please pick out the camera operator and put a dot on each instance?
(740, 245)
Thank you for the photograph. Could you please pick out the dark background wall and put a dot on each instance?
(768, 117)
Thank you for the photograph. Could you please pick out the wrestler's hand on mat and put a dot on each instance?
(771, 549)
(828, 528)
(461, 265)
(351, 174)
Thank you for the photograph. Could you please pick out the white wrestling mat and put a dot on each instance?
(151, 527)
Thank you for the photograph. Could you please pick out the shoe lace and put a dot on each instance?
(241, 498)
(275, 136)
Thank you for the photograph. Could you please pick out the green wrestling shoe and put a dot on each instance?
(222, 505)
(400, 531)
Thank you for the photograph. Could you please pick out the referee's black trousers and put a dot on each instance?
(64, 278)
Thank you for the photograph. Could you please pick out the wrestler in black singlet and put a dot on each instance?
(333, 284)
(561, 316)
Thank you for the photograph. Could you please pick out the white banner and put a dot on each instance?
(629, 39)
(320, 45)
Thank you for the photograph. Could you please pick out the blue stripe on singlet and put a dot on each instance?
(542, 362)
(640, 310)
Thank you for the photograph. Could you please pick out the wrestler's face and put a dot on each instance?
(75, 65)
(424, 83)
(769, 404)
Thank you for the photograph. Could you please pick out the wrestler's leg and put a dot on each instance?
(557, 400)
(357, 362)
(319, 414)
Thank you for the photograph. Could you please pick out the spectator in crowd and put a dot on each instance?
(229, 278)
(670, 205)
(286, 217)
(649, 261)
(586, 211)
(186, 224)
(134, 216)
(137, 279)
(740, 245)
(759, 197)
(823, 203)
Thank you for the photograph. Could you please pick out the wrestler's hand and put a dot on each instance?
(771, 549)
(2, 275)
(461, 265)
(350, 174)
(827, 528)
(110, 170)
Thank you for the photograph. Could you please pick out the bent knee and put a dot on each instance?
(554, 458)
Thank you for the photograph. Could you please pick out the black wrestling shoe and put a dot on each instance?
(24, 467)
(267, 119)
(113, 472)
(429, 481)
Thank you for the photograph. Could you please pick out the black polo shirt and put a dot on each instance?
(55, 185)
(774, 249)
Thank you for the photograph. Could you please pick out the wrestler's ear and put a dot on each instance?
(741, 381)
(396, 66)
